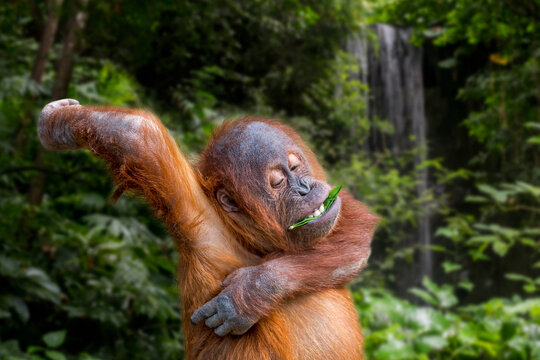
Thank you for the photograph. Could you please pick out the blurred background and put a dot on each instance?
(427, 110)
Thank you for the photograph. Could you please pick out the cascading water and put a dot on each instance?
(394, 75)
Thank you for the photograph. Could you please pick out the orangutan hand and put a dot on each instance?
(249, 293)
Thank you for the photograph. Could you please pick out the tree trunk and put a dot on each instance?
(64, 70)
(47, 39)
(54, 7)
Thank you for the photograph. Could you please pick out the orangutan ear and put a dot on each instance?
(226, 202)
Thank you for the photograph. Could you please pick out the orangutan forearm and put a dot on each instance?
(138, 149)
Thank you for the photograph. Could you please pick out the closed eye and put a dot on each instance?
(278, 183)
(276, 178)
(294, 162)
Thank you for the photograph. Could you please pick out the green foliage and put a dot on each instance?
(73, 262)
(497, 329)
(336, 106)
(505, 118)
(492, 234)
(439, 296)
(76, 264)
(54, 339)
(489, 243)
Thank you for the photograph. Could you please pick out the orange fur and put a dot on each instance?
(144, 158)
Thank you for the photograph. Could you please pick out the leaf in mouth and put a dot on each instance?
(332, 196)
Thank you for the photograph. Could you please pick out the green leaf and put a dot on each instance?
(32, 349)
(449, 266)
(495, 194)
(437, 248)
(8, 266)
(394, 349)
(448, 63)
(332, 196)
(444, 294)
(475, 199)
(532, 125)
(534, 140)
(55, 355)
(20, 308)
(430, 285)
(429, 343)
(528, 242)
(508, 330)
(500, 248)
(467, 334)
(534, 190)
(55, 339)
(487, 346)
(466, 284)
(483, 239)
(449, 233)
(531, 231)
(517, 277)
(424, 295)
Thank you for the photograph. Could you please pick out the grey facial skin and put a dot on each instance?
(260, 154)
(260, 148)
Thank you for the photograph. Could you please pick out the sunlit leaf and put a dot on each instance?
(449, 266)
(54, 355)
(500, 248)
(467, 285)
(55, 339)
(424, 295)
(497, 195)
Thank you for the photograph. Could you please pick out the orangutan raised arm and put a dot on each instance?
(138, 149)
(231, 215)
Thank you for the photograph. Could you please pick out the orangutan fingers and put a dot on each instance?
(204, 312)
(240, 330)
(214, 320)
(223, 329)
(235, 326)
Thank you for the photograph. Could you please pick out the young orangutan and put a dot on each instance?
(230, 217)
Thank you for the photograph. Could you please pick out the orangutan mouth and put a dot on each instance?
(332, 196)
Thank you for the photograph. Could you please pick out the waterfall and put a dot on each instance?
(393, 71)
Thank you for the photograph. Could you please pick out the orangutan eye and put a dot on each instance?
(276, 178)
(294, 162)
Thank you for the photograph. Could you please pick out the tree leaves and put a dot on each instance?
(54, 339)
(398, 329)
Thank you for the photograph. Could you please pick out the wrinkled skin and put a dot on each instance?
(286, 186)
(221, 312)
(284, 182)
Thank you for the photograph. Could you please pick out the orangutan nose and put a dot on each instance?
(303, 186)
